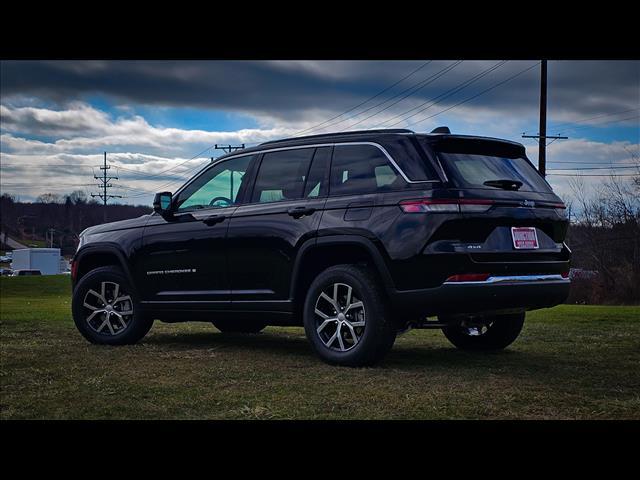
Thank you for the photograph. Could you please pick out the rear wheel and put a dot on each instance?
(239, 326)
(346, 318)
(492, 333)
(106, 310)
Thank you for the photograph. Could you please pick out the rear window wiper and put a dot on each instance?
(504, 184)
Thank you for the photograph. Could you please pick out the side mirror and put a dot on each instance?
(162, 203)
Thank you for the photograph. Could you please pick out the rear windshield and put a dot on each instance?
(473, 170)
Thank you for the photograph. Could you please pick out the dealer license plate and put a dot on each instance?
(524, 238)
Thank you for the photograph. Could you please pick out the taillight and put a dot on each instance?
(74, 269)
(561, 209)
(442, 205)
(565, 274)
(468, 277)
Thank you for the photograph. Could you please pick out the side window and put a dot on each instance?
(316, 185)
(282, 175)
(217, 187)
(358, 169)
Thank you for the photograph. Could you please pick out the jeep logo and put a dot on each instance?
(528, 203)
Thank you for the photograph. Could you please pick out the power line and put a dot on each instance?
(366, 101)
(599, 123)
(593, 168)
(583, 120)
(476, 95)
(431, 79)
(411, 90)
(443, 96)
(594, 175)
(577, 162)
(181, 163)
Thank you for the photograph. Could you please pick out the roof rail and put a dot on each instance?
(333, 134)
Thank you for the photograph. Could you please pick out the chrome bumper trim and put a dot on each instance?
(515, 279)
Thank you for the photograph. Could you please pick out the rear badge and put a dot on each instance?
(524, 238)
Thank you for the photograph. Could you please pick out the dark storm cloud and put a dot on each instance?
(290, 89)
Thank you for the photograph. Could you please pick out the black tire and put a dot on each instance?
(137, 324)
(501, 333)
(239, 326)
(378, 332)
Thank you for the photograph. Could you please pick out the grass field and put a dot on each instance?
(570, 362)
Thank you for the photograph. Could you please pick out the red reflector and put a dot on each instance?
(469, 277)
(565, 274)
(74, 269)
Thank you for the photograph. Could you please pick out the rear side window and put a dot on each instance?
(282, 175)
(359, 169)
(474, 170)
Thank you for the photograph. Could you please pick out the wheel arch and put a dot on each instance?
(317, 254)
(95, 256)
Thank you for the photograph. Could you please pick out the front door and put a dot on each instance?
(184, 257)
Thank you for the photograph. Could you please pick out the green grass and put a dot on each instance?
(570, 362)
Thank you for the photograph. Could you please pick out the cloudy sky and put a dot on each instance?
(158, 120)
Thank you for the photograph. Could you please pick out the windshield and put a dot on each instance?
(481, 171)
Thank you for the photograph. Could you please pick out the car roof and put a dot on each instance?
(357, 135)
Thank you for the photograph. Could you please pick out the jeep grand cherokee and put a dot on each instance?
(356, 236)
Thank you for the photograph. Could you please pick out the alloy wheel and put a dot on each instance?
(340, 317)
(109, 312)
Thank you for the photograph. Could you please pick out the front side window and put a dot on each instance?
(217, 187)
(282, 175)
(359, 169)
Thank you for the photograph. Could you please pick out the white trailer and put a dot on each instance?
(47, 260)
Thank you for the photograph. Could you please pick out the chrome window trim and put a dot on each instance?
(314, 145)
(511, 279)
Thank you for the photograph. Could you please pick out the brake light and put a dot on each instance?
(468, 277)
(446, 205)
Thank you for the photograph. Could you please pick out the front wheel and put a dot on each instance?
(492, 333)
(106, 309)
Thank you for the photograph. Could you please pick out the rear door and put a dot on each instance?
(360, 175)
(284, 211)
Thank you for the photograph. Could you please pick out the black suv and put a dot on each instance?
(356, 236)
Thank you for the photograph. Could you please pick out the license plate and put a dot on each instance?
(524, 238)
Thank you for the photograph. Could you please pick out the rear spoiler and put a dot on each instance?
(477, 145)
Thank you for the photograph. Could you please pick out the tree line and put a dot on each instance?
(67, 215)
(604, 237)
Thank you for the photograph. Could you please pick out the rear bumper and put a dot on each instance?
(498, 293)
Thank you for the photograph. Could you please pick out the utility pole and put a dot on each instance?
(104, 184)
(51, 231)
(229, 148)
(542, 133)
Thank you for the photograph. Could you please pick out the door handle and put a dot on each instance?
(298, 212)
(213, 219)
